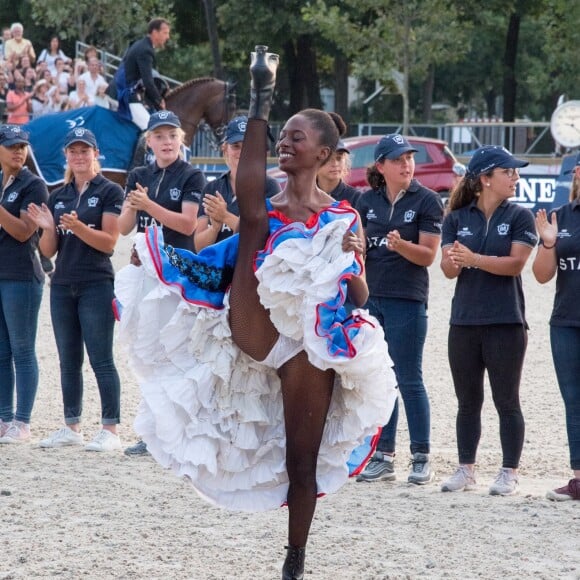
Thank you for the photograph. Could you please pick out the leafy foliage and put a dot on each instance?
(109, 24)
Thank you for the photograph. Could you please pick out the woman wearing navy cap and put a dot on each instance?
(331, 176)
(21, 281)
(402, 221)
(80, 225)
(164, 193)
(486, 243)
(218, 214)
(167, 191)
(559, 255)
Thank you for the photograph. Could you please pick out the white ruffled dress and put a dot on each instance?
(214, 415)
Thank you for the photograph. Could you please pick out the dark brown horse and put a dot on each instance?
(207, 99)
(204, 102)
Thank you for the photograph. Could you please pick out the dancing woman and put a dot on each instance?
(258, 395)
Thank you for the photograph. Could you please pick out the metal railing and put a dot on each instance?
(111, 63)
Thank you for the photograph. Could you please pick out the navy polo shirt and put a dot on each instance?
(482, 298)
(222, 184)
(18, 259)
(76, 261)
(170, 187)
(344, 192)
(566, 310)
(419, 210)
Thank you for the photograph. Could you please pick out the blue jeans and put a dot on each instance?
(405, 325)
(565, 341)
(19, 306)
(83, 313)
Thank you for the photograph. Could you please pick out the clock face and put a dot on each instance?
(565, 124)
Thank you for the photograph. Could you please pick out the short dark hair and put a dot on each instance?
(156, 24)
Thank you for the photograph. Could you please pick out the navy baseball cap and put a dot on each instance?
(392, 147)
(163, 119)
(80, 135)
(341, 146)
(13, 135)
(489, 157)
(236, 130)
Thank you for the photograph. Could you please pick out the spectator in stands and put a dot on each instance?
(18, 104)
(3, 93)
(29, 79)
(58, 102)
(63, 78)
(50, 54)
(5, 37)
(102, 99)
(18, 46)
(92, 77)
(23, 64)
(40, 102)
(79, 97)
(80, 65)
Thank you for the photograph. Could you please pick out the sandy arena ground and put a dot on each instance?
(71, 514)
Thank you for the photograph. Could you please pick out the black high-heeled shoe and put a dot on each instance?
(293, 568)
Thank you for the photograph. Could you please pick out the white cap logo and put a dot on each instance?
(79, 132)
(163, 114)
(398, 140)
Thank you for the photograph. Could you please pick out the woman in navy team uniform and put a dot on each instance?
(559, 255)
(331, 176)
(80, 225)
(166, 193)
(218, 214)
(402, 221)
(486, 243)
(21, 281)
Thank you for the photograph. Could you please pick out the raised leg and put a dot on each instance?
(251, 327)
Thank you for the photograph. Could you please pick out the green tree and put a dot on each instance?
(391, 40)
(109, 24)
(286, 32)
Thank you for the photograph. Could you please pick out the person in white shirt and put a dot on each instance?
(92, 77)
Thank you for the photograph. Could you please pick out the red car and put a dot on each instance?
(433, 162)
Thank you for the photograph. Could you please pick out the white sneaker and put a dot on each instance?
(18, 432)
(462, 480)
(104, 441)
(63, 438)
(4, 426)
(506, 482)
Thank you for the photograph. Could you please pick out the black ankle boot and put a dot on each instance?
(294, 564)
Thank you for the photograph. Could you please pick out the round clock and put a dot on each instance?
(565, 124)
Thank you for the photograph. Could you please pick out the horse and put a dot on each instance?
(206, 99)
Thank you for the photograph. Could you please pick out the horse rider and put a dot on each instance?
(135, 81)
